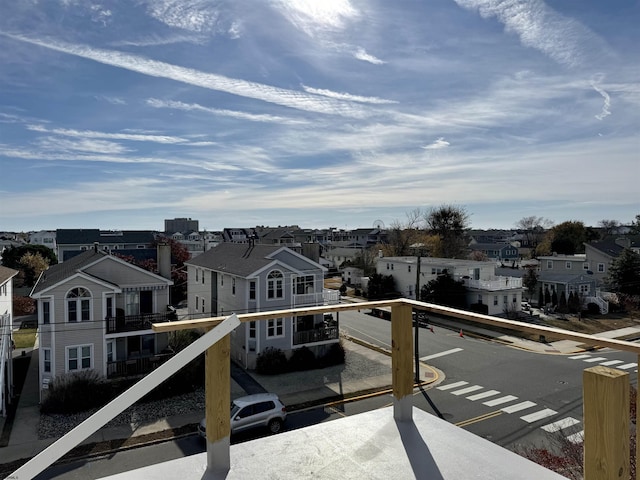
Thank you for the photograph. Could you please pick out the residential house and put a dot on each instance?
(180, 225)
(44, 237)
(500, 294)
(74, 241)
(501, 252)
(244, 278)
(600, 255)
(95, 312)
(6, 344)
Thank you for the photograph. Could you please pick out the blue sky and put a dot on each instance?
(119, 114)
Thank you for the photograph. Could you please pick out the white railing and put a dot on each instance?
(602, 303)
(498, 283)
(308, 299)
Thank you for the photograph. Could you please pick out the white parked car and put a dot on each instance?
(254, 411)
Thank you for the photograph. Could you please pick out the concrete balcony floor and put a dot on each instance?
(371, 445)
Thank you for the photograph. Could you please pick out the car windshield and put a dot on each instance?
(234, 409)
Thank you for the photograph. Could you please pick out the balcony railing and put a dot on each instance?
(499, 283)
(135, 366)
(132, 323)
(316, 335)
(605, 399)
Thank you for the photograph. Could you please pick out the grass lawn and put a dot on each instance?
(25, 337)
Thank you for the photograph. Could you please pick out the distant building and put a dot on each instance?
(46, 238)
(71, 242)
(183, 225)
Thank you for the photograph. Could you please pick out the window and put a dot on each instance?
(515, 298)
(584, 288)
(222, 280)
(233, 286)
(387, 266)
(202, 275)
(46, 313)
(197, 274)
(132, 303)
(495, 299)
(109, 307)
(197, 303)
(252, 329)
(275, 328)
(601, 268)
(46, 360)
(585, 266)
(252, 290)
(304, 285)
(79, 358)
(392, 266)
(409, 268)
(79, 305)
(203, 305)
(505, 299)
(274, 284)
(567, 265)
(550, 264)
(110, 351)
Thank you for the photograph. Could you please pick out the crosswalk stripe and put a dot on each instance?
(479, 396)
(452, 385)
(518, 406)
(534, 417)
(441, 354)
(467, 390)
(627, 366)
(576, 437)
(560, 424)
(611, 362)
(595, 359)
(500, 401)
(579, 357)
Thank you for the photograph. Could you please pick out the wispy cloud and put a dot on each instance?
(156, 40)
(113, 136)
(607, 101)
(156, 103)
(346, 96)
(82, 145)
(194, 16)
(316, 18)
(361, 54)
(154, 68)
(438, 144)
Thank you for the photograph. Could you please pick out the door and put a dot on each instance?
(146, 301)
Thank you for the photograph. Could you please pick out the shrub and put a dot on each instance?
(334, 356)
(76, 392)
(357, 292)
(271, 361)
(302, 359)
(23, 306)
(593, 308)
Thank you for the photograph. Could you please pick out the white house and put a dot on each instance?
(242, 277)
(6, 345)
(95, 312)
(499, 293)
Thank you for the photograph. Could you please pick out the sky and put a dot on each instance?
(333, 113)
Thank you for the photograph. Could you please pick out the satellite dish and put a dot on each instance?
(379, 224)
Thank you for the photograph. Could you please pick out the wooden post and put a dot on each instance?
(218, 401)
(402, 372)
(606, 423)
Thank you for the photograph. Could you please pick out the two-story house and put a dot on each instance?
(6, 345)
(501, 252)
(244, 278)
(73, 241)
(600, 255)
(499, 294)
(95, 312)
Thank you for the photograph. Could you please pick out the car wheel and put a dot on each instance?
(275, 425)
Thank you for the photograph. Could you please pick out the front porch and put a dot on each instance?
(136, 366)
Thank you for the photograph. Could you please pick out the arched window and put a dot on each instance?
(274, 284)
(79, 305)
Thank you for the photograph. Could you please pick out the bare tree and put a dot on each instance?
(450, 223)
(608, 226)
(533, 229)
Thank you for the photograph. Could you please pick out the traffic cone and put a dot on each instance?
(461, 334)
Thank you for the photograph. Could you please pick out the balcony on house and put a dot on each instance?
(494, 284)
(121, 323)
(393, 442)
(136, 365)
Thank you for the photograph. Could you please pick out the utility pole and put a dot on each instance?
(416, 326)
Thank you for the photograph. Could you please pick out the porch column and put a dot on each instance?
(606, 423)
(218, 400)
(402, 370)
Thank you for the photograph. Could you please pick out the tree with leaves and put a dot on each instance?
(445, 290)
(450, 224)
(567, 238)
(13, 256)
(406, 238)
(624, 273)
(32, 264)
(635, 226)
(530, 280)
(381, 287)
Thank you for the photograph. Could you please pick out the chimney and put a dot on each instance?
(95, 246)
(164, 260)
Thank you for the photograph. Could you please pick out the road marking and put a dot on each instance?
(560, 424)
(611, 362)
(500, 401)
(467, 390)
(441, 354)
(452, 385)
(518, 406)
(479, 396)
(627, 366)
(486, 416)
(595, 359)
(576, 437)
(534, 417)
(579, 357)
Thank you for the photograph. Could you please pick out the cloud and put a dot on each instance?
(346, 96)
(361, 54)
(438, 144)
(317, 17)
(113, 136)
(243, 88)
(194, 16)
(156, 40)
(607, 102)
(82, 145)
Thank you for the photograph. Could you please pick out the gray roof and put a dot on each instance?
(6, 273)
(79, 236)
(241, 259)
(59, 272)
(565, 277)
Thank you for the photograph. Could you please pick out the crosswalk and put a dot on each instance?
(511, 404)
(604, 361)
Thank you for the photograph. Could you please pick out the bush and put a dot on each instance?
(302, 359)
(593, 308)
(272, 361)
(76, 392)
(334, 356)
(23, 306)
